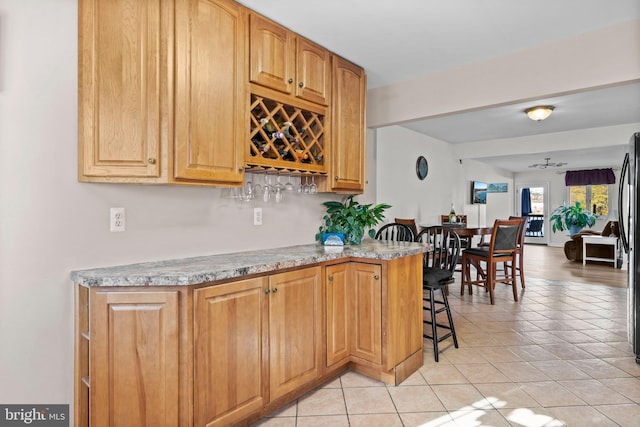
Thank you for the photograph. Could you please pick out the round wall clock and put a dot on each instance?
(422, 167)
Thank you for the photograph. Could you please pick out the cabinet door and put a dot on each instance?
(229, 329)
(295, 329)
(403, 308)
(353, 295)
(313, 72)
(366, 312)
(123, 99)
(272, 54)
(134, 358)
(211, 112)
(338, 312)
(347, 123)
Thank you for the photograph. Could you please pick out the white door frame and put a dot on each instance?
(546, 228)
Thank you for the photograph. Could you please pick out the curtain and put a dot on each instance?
(526, 202)
(590, 177)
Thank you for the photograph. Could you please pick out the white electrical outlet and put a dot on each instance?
(257, 216)
(117, 219)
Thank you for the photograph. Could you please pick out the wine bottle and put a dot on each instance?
(452, 215)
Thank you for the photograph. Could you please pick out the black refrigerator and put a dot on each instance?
(629, 214)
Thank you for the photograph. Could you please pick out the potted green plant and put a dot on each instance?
(350, 218)
(572, 218)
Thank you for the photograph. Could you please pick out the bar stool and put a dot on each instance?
(438, 269)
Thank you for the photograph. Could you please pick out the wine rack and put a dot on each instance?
(285, 137)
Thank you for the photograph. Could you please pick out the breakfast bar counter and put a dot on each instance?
(210, 268)
(226, 339)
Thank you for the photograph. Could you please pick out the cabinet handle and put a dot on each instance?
(301, 84)
(337, 178)
(331, 278)
(290, 80)
(241, 168)
(267, 291)
(274, 290)
(151, 161)
(376, 277)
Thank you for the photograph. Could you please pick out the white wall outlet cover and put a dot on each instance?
(257, 216)
(117, 219)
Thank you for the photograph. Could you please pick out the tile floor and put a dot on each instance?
(559, 357)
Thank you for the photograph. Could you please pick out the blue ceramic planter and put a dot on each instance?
(574, 229)
(333, 239)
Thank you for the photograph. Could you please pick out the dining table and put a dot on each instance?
(467, 232)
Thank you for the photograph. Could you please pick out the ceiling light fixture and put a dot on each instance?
(539, 112)
(547, 164)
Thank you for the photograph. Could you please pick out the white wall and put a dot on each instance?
(595, 59)
(50, 224)
(448, 182)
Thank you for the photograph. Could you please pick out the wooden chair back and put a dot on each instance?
(444, 247)
(504, 237)
(409, 222)
(395, 231)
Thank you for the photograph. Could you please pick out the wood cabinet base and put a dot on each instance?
(395, 375)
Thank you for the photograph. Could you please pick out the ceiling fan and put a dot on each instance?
(548, 164)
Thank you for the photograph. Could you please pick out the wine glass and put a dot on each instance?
(305, 187)
(266, 190)
(313, 188)
(248, 191)
(278, 194)
(289, 185)
(278, 183)
(300, 186)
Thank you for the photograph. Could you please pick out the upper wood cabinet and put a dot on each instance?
(211, 113)
(348, 127)
(124, 104)
(289, 63)
(162, 91)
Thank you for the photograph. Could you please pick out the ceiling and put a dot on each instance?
(398, 40)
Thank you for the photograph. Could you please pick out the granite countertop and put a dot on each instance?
(196, 270)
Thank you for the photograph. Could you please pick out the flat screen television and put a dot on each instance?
(478, 192)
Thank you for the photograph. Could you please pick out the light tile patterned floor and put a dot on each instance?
(559, 357)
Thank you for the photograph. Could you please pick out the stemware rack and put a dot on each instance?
(285, 138)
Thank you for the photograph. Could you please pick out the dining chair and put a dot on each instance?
(409, 222)
(520, 249)
(439, 264)
(534, 228)
(395, 231)
(502, 248)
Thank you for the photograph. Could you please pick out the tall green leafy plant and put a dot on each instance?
(573, 218)
(351, 218)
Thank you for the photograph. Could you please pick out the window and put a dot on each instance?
(593, 197)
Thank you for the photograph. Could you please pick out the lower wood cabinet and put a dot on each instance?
(254, 340)
(134, 358)
(229, 333)
(374, 317)
(354, 312)
(295, 330)
(227, 353)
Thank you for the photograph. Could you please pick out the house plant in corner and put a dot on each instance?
(573, 218)
(350, 218)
